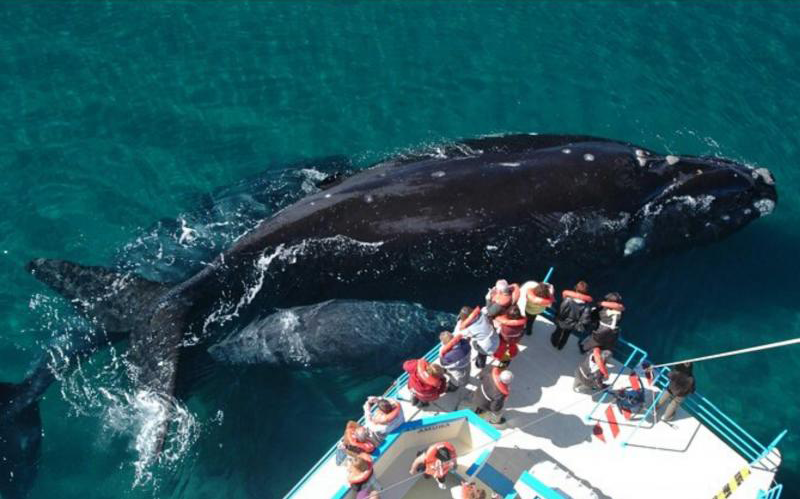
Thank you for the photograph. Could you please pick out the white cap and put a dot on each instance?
(507, 377)
(502, 286)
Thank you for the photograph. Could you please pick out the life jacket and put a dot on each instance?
(425, 376)
(594, 364)
(504, 388)
(538, 300)
(576, 296)
(350, 441)
(609, 317)
(384, 418)
(471, 318)
(359, 477)
(431, 460)
(422, 385)
(510, 329)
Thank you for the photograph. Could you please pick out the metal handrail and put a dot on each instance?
(773, 493)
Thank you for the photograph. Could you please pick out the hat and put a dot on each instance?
(507, 377)
(502, 286)
(360, 434)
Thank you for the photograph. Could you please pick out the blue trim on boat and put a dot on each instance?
(496, 481)
(478, 462)
(539, 487)
(341, 492)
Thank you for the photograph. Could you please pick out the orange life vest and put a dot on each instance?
(510, 329)
(424, 376)
(504, 389)
(472, 317)
(350, 440)
(380, 417)
(358, 477)
(538, 300)
(450, 344)
(612, 305)
(431, 460)
(597, 355)
(577, 296)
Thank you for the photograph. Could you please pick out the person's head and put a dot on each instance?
(582, 287)
(464, 312)
(360, 434)
(502, 287)
(358, 463)
(514, 313)
(506, 377)
(435, 370)
(443, 454)
(445, 337)
(542, 290)
(385, 406)
(477, 494)
(613, 297)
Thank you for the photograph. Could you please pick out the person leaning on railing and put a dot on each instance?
(681, 385)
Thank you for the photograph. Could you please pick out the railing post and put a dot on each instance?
(769, 448)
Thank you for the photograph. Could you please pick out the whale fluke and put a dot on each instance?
(124, 303)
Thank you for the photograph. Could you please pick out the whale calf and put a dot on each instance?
(484, 207)
(370, 334)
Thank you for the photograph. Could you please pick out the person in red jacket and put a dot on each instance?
(511, 327)
(426, 381)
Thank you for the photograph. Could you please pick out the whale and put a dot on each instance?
(459, 213)
(369, 334)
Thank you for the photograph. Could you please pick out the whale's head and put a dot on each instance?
(693, 200)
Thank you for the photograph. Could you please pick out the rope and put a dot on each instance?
(735, 352)
(513, 431)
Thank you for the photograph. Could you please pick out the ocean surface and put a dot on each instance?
(117, 115)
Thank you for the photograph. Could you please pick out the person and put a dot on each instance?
(469, 490)
(381, 417)
(425, 381)
(491, 394)
(501, 297)
(511, 327)
(473, 323)
(534, 298)
(360, 475)
(609, 315)
(356, 439)
(592, 371)
(454, 357)
(437, 461)
(574, 315)
(681, 385)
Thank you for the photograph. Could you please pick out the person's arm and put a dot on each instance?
(419, 460)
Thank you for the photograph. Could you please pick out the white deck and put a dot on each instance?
(547, 424)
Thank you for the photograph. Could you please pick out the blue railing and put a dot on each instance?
(773, 493)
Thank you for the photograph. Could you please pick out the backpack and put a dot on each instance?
(630, 399)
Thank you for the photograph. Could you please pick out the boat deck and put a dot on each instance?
(576, 446)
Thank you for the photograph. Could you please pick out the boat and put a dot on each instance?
(559, 444)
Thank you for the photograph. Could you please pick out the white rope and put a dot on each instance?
(735, 352)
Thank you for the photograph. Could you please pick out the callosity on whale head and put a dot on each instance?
(699, 199)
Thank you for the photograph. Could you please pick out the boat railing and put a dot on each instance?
(773, 493)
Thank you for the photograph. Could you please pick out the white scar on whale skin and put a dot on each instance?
(764, 206)
(633, 245)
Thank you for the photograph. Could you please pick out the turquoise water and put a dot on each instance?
(115, 115)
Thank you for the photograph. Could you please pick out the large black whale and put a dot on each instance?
(509, 204)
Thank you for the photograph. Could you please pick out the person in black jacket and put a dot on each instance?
(681, 385)
(573, 315)
(607, 318)
(491, 394)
